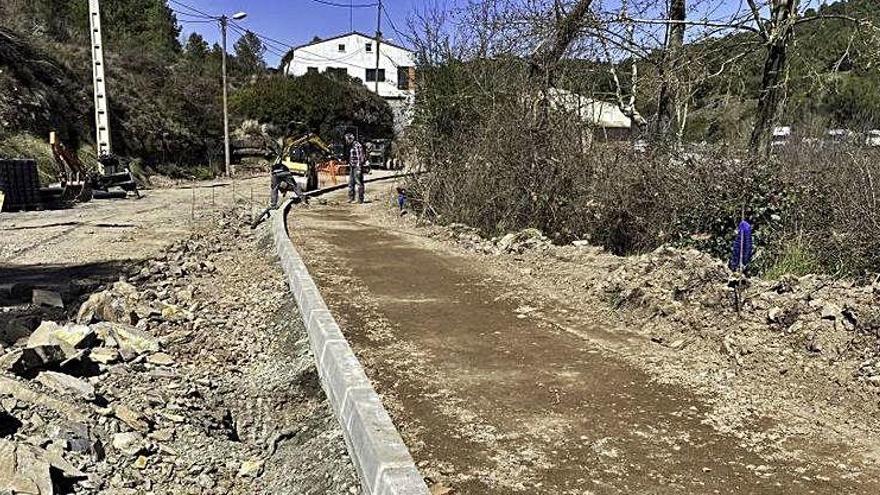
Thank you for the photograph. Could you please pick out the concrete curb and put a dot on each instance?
(382, 460)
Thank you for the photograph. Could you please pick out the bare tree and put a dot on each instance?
(777, 33)
(544, 61)
(675, 31)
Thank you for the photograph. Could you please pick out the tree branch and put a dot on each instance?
(804, 20)
(756, 15)
(740, 27)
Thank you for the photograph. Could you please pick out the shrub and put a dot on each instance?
(792, 257)
(323, 103)
(814, 209)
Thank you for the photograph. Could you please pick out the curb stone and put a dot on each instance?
(382, 460)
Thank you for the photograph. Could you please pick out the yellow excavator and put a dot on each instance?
(300, 159)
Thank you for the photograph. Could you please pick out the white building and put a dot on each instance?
(355, 54)
(608, 120)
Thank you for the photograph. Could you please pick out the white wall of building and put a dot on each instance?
(356, 54)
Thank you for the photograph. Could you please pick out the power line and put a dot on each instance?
(270, 48)
(263, 36)
(346, 6)
(194, 21)
(391, 23)
(180, 12)
(193, 9)
(404, 36)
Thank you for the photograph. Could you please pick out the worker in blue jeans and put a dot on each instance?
(356, 161)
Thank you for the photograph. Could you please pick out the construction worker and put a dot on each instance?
(283, 181)
(356, 162)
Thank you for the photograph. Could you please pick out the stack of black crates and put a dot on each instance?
(20, 182)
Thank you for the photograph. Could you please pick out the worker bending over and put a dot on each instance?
(283, 181)
(356, 162)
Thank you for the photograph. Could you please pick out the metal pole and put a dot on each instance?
(378, 40)
(223, 25)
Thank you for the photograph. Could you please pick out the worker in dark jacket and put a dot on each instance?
(283, 181)
(356, 161)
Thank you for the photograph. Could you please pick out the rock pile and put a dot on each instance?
(166, 382)
(800, 330)
(512, 243)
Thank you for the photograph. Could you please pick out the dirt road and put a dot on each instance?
(492, 398)
(114, 230)
(93, 241)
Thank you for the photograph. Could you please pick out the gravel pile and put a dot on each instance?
(190, 375)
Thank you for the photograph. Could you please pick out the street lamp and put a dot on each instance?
(224, 23)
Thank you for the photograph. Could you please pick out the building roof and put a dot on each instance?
(352, 33)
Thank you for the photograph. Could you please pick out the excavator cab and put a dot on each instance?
(301, 157)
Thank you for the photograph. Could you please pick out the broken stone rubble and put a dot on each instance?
(511, 243)
(111, 394)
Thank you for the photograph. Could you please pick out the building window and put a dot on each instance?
(371, 75)
(312, 70)
(404, 78)
(337, 71)
(342, 47)
(369, 47)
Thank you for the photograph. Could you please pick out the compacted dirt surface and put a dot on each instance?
(521, 368)
(177, 363)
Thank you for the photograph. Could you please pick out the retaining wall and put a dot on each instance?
(382, 460)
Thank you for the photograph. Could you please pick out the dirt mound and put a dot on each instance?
(688, 293)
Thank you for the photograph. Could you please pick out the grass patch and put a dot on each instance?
(26, 146)
(794, 258)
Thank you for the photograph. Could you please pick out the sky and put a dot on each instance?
(293, 22)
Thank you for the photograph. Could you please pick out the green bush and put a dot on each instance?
(323, 103)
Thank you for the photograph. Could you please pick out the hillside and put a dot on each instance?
(832, 78)
(165, 103)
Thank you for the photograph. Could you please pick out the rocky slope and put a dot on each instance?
(38, 94)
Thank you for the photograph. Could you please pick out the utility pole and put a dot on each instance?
(102, 117)
(224, 22)
(378, 41)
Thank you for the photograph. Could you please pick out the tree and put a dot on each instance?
(674, 44)
(249, 53)
(777, 33)
(545, 58)
(196, 48)
(323, 103)
(286, 61)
